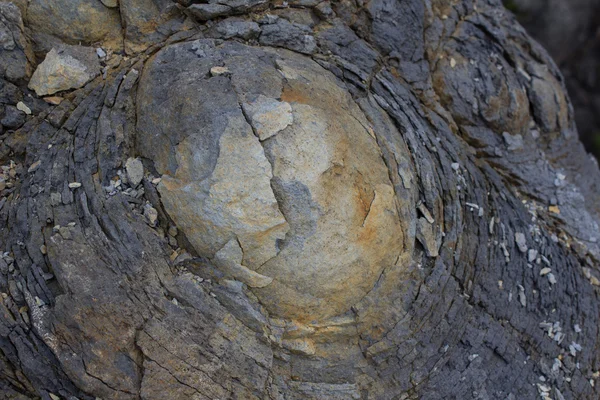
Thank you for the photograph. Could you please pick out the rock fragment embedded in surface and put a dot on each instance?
(234, 27)
(269, 116)
(150, 215)
(135, 171)
(23, 107)
(66, 67)
(521, 242)
(513, 142)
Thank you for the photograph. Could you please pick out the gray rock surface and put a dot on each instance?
(73, 22)
(15, 50)
(366, 248)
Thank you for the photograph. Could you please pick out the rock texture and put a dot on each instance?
(287, 165)
(74, 22)
(64, 68)
(301, 200)
(569, 31)
(15, 51)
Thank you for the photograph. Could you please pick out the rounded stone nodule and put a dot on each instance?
(272, 172)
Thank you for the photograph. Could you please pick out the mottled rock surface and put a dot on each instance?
(15, 50)
(64, 68)
(74, 22)
(301, 200)
(287, 165)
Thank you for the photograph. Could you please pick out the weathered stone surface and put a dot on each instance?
(135, 171)
(384, 243)
(235, 27)
(207, 10)
(290, 35)
(110, 3)
(303, 208)
(73, 22)
(16, 54)
(268, 116)
(66, 67)
(147, 22)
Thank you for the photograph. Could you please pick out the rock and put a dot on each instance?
(427, 237)
(230, 259)
(100, 52)
(205, 12)
(513, 142)
(150, 215)
(33, 167)
(135, 171)
(13, 117)
(532, 255)
(9, 93)
(289, 35)
(521, 242)
(110, 3)
(268, 116)
(22, 107)
(54, 100)
(73, 21)
(235, 27)
(213, 8)
(16, 53)
(74, 185)
(64, 68)
(306, 209)
(216, 71)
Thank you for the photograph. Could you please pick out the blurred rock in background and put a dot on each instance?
(570, 31)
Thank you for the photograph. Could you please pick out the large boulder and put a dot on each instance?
(273, 169)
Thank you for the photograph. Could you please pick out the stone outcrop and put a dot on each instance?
(294, 200)
(287, 165)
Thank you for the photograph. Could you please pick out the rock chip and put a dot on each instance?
(23, 107)
(66, 67)
(214, 8)
(521, 242)
(150, 215)
(135, 171)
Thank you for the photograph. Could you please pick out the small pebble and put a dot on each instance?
(521, 242)
(151, 215)
(74, 185)
(23, 107)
